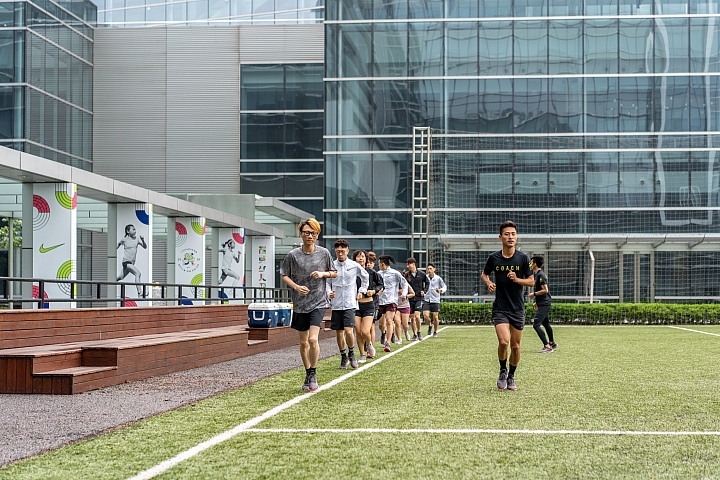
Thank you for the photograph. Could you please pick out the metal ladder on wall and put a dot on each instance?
(421, 150)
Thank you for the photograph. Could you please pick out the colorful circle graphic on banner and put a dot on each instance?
(41, 212)
(143, 216)
(36, 294)
(180, 234)
(198, 227)
(197, 279)
(63, 198)
(239, 238)
(64, 272)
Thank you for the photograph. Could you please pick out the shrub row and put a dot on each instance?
(593, 314)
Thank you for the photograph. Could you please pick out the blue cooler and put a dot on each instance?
(284, 314)
(262, 315)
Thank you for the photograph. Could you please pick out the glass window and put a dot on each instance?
(262, 135)
(51, 69)
(354, 181)
(462, 48)
(463, 105)
(263, 6)
(218, 9)
(674, 96)
(6, 112)
(426, 8)
(635, 57)
(7, 55)
(390, 181)
(355, 108)
(601, 100)
(390, 48)
(564, 8)
(303, 186)
(177, 12)
(671, 7)
(303, 135)
(565, 47)
(135, 16)
(425, 107)
(495, 114)
(425, 49)
(601, 7)
(601, 46)
(262, 87)
(704, 45)
(496, 48)
(390, 9)
(7, 14)
(636, 7)
(636, 179)
(636, 104)
(391, 103)
(156, 13)
(391, 223)
(355, 50)
(197, 10)
(350, 9)
(531, 48)
(304, 86)
(240, 10)
(265, 185)
(699, 103)
(495, 8)
(671, 41)
(565, 105)
(463, 9)
(530, 109)
(530, 8)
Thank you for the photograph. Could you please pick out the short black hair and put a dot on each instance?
(410, 260)
(507, 224)
(539, 260)
(386, 260)
(431, 265)
(341, 243)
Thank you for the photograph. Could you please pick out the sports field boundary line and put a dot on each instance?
(695, 331)
(218, 439)
(472, 431)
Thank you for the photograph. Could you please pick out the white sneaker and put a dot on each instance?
(399, 342)
(407, 336)
(362, 359)
(370, 351)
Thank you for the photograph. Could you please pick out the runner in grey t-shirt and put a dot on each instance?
(304, 270)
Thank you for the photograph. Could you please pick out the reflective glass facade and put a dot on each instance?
(135, 13)
(281, 128)
(46, 61)
(567, 116)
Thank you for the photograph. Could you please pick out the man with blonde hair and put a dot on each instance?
(305, 270)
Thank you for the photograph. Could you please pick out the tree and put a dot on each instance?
(4, 234)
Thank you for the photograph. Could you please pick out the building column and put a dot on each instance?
(652, 276)
(50, 251)
(621, 279)
(112, 231)
(636, 280)
(132, 246)
(189, 256)
(228, 262)
(26, 254)
(262, 258)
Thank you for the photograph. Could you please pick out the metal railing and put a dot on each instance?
(84, 291)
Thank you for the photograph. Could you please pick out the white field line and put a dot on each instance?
(475, 431)
(696, 331)
(187, 454)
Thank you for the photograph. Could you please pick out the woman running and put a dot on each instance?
(226, 270)
(403, 312)
(395, 290)
(366, 309)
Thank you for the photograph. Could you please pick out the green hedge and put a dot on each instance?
(593, 314)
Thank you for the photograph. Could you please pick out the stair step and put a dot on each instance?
(75, 371)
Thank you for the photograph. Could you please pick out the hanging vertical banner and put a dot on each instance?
(263, 262)
(55, 239)
(134, 251)
(190, 253)
(231, 261)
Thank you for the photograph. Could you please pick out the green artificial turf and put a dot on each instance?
(621, 378)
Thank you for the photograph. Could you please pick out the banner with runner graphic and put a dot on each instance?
(134, 251)
(190, 253)
(230, 245)
(263, 262)
(55, 239)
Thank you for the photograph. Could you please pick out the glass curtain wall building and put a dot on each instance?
(46, 61)
(135, 13)
(569, 117)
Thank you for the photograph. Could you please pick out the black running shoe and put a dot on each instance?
(511, 383)
(313, 382)
(344, 362)
(382, 339)
(306, 384)
(429, 331)
(502, 382)
(553, 345)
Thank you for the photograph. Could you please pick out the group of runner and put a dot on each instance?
(359, 295)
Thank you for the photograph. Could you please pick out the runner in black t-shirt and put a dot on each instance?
(512, 273)
(543, 300)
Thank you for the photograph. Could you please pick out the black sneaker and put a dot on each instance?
(429, 331)
(306, 384)
(353, 360)
(313, 382)
(511, 383)
(502, 382)
(553, 345)
(382, 339)
(344, 362)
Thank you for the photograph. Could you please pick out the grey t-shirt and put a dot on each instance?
(298, 266)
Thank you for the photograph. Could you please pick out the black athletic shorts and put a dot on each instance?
(433, 307)
(125, 264)
(416, 305)
(341, 319)
(366, 309)
(516, 318)
(303, 321)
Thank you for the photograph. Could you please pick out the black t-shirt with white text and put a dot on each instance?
(540, 280)
(508, 294)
